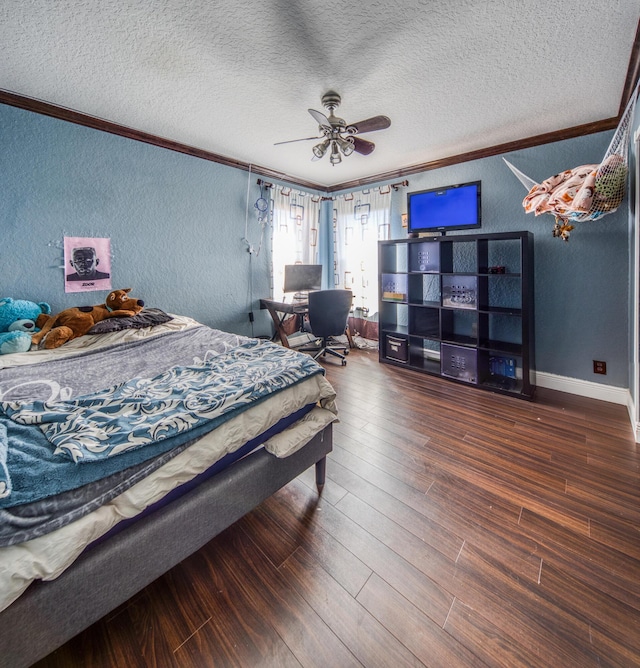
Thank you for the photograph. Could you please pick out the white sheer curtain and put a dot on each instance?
(360, 219)
(296, 222)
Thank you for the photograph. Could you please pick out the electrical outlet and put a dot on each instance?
(600, 367)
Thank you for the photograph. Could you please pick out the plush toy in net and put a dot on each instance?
(587, 192)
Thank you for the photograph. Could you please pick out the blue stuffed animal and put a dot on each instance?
(18, 322)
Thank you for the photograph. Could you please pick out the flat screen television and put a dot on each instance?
(302, 277)
(443, 209)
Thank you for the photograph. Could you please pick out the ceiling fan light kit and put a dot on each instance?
(320, 149)
(346, 145)
(335, 158)
(339, 136)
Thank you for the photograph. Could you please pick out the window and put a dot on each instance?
(296, 218)
(359, 221)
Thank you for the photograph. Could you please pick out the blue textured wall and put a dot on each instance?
(582, 286)
(634, 325)
(176, 222)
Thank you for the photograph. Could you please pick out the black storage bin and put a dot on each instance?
(397, 349)
(459, 362)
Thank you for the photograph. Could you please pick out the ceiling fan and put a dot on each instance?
(337, 135)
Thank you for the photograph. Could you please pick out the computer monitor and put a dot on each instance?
(302, 277)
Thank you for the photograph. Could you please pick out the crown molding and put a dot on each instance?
(537, 140)
(72, 116)
(77, 117)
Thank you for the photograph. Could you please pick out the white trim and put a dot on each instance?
(584, 388)
(634, 406)
(635, 425)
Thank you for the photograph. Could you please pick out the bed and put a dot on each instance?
(123, 452)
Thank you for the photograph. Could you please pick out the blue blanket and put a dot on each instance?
(114, 428)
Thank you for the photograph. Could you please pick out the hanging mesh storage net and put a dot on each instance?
(587, 192)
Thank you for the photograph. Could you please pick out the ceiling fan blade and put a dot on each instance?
(363, 146)
(370, 124)
(321, 119)
(292, 140)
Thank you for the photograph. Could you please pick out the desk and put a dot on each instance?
(279, 312)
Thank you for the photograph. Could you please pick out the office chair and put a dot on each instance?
(328, 313)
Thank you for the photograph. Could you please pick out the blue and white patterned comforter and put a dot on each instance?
(143, 411)
(184, 384)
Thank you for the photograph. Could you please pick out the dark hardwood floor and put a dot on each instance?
(456, 528)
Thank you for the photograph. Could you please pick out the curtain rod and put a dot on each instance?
(395, 186)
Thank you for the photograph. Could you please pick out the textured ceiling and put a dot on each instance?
(233, 77)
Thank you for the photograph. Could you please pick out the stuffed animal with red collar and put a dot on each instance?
(77, 321)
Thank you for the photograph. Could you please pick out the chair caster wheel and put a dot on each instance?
(344, 362)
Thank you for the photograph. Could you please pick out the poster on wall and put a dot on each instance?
(87, 263)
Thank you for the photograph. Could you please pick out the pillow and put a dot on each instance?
(146, 318)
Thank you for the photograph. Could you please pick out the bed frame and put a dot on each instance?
(49, 614)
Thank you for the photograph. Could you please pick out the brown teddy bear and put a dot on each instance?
(74, 322)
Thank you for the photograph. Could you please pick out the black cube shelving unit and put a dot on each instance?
(460, 307)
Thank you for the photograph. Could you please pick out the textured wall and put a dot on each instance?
(634, 325)
(176, 223)
(581, 287)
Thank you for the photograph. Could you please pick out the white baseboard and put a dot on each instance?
(635, 425)
(584, 388)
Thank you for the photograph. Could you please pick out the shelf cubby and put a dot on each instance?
(424, 354)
